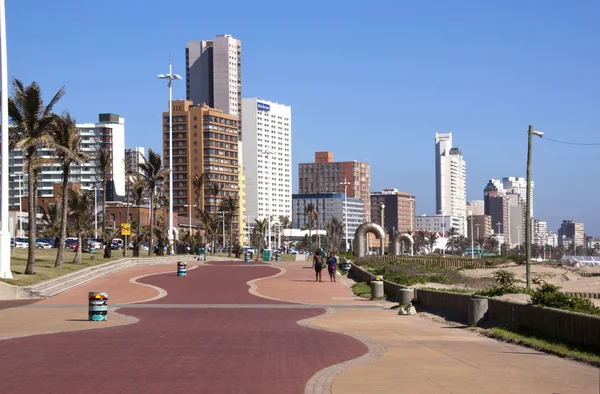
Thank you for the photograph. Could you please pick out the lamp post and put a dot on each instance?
(472, 243)
(530, 133)
(171, 77)
(20, 175)
(499, 245)
(444, 231)
(346, 183)
(4, 232)
(382, 225)
(267, 154)
(477, 227)
(95, 189)
(190, 214)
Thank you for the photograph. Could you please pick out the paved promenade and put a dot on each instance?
(234, 327)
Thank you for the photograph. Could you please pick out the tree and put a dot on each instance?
(504, 278)
(198, 187)
(32, 123)
(431, 241)
(420, 239)
(284, 223)
(151, 174)
(214, 189)
(309, 214)
(451, 234)
(51, 220)
(259, 232)
(67, 149)
(211, 227)
(138, 197)
(490, 245)
(81, 216)
(335, 232)
(230, 206)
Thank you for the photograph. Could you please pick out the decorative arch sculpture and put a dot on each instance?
(397, 243)
(361, 235)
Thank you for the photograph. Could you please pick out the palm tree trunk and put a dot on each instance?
(230, 236)
(60, 254)
(77, 259)
(151, 224)
(103, 204)
(32, 217)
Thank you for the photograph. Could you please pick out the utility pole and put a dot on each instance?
(472, 235)
(528, 208)
(382, 225)
(499, 245)
(346, 183)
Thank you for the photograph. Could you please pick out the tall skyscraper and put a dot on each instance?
(268, 177)
(108, 132)
(133, 158)
(475, 207)
(213, 70)
(451, 189)
(327, 176)
(205, 142)
(497, 206)
(518, 185)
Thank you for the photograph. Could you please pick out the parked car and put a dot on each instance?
(71, 243)
(21, 242)
(41, 243)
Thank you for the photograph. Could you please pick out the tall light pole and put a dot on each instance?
(443, 231)
(472, 235)
(171, 77)
(267, 154)
(190, 214)
(382, 225)
(95, 189)
(346, 183)
(20, 175)
(530, 133)
(477, 227)
(4, 233)
(499, 245)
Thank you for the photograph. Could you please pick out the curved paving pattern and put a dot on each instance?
(184, 349)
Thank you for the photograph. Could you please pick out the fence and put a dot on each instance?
(438, 262)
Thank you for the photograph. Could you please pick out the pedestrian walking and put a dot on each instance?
(332, 266)
(317, 265)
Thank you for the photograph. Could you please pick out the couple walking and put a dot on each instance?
(319, 264)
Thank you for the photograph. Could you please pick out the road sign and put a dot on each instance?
(125, 229)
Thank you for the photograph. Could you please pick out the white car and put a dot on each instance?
(42, 245)
(21, 243)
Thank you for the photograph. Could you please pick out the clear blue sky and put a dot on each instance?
(367, 80)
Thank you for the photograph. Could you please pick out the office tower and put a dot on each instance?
(328, 205)
(475, 207)
(108, 132)
(540, 232)
(205, 143)
(327, 176)
(133, 158)
(496, 205)
(570, 231)
(399, 213)
(518, 185)
(213, 70)
(451, 190)
(268, 160)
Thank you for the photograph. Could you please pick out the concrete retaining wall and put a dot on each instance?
(452, 305)
(390, 288)
(8, 292)
(577, 328)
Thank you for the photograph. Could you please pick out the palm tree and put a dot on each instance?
(81, 215)
(259, 233)
(420, 240)
(211, 228)
(151, 174)
(335, 232)
(214, 189)
(285, 223)
(51, 220)
(230, 206)
(32, 123)
(198, 187)
(451, 234)
(431, 240)
(104, 163)
(67, 149)
(138, 196)
(309, 214)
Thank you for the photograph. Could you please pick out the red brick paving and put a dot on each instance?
(188, 350)
(5, 304)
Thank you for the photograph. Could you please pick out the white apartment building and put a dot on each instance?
(329, 205)
(518, 185)
(451, 181)
(436, 224)
(267, 127)
(475, 207)
(133, 158)
(540, 233)
(108, 132)
(213, 70)
(552, 239)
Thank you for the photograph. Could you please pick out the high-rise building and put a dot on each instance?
(518, 185)
(268, 160)
(108, 132)
(328, 205)
(205, 143)
(327, 176)
(451, 181)
(569, 231)
(481, 227)
(496, 205)
(399, 211)
(540, 232)
(435, 224)
(475, 207)
(214, 73)
(133, 158)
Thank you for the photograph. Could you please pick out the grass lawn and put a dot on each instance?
(529, 339)
(362, 289)
(44, 265)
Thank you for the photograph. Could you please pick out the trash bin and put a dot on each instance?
(202, 254)
(346, 265)
(277, 256)
(97, 306)
(247, 257)
(181, 268)
(267, 255)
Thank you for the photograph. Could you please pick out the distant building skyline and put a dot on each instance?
(450, 182)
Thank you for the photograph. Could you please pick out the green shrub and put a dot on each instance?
(549, 296)
(504, 278)
(497, 291)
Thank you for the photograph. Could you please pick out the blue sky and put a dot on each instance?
(367, 80)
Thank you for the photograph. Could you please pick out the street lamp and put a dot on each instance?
(441, 212)
(472, 245)
(346, 183)
(170, 77)
(267, 154)
(382, 225)
(530, 133)
(20, 175)
(95, 189)
(477, 227)
(190, 214)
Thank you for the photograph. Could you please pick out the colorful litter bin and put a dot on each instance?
(97, 306)
(181, 268)
(267, 255)
(247, 257)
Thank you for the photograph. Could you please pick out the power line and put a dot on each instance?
(572, 143)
